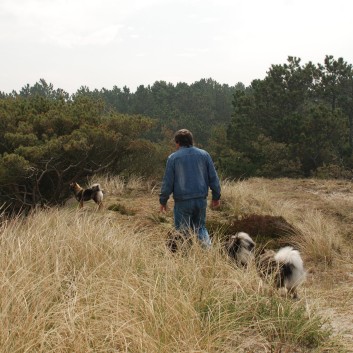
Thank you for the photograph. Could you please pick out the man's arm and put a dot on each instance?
(215, 185)
(167, 185)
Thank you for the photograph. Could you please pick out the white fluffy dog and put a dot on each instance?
(286, 267)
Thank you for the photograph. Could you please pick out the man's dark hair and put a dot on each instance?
(184, 138)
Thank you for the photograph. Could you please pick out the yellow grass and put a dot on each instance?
(84, 281)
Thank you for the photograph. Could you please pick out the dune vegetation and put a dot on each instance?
(79, 280)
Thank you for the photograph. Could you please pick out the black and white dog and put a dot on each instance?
(240, 247)
(285, 267)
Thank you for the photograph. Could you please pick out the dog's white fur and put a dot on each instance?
(285, 267)
(291, 257)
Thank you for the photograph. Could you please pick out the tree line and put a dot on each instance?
(296, 122)
(46, 143)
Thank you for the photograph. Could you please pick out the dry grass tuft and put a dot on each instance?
(256, 197)
(319, 237)
(85, 281)
(112, 185)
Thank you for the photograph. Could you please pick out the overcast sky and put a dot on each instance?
(106, 43)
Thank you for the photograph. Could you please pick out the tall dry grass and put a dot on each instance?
(83, 281)
(318, 237)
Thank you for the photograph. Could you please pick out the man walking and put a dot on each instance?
(189, 174)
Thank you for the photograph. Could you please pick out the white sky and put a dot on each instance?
(102, 43)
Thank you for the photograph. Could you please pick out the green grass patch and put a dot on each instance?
(121, 209)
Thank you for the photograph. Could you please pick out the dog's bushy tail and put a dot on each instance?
(96, 187)
(290, 258)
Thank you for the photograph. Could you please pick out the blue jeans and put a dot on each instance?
(191, 214)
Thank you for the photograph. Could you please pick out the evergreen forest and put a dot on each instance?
(296, 122)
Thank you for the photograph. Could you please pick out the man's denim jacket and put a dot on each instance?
(189, 173)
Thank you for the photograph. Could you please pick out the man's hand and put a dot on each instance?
(163, 208)
(215, 203)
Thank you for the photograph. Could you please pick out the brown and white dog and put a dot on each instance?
(94, 193)
(285, 267)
